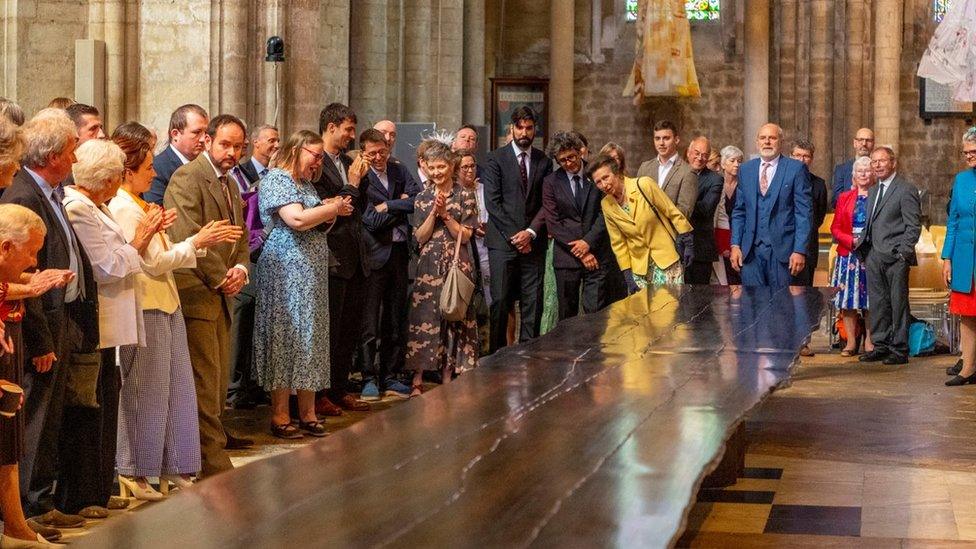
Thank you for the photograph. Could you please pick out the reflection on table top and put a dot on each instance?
(595, 434)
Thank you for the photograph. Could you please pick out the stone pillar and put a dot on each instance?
(561, 49)
(368, 58)
(785, 85)
(234, 43)
(887, 60)
(821, 83)
(474, 62)
(334, 43)
(855, 69)
(419, 47)
(756, 86)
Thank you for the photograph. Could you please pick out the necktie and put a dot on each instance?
(57, 196)
(524, 172)
(877, 204)
(578, 192)
(263, 173)
(227, 197)
(241, 179)
(764, 179)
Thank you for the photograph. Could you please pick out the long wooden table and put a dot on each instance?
(596, 434)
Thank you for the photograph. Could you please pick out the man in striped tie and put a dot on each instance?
(772, 215)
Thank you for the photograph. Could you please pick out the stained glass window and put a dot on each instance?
(697, 10)
(939, 9)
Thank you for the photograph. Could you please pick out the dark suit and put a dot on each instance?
(385, 318)
(818, 194)
(165, 163)
(703, 220)
(887, 244)
(515, 276)
(569, 218)
(347, 276)
(250, 171)
(843, 181)
(769, 229)
(51, 325)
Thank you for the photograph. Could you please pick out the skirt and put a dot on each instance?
(675, 274)
(850, 278)
(963, 304)
(12, 428)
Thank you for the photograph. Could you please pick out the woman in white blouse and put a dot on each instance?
(115, 260)
(158, 432)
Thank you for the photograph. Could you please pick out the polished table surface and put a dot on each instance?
(596, 434)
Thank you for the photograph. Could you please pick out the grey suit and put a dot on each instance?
(888, 247)
(681, 184)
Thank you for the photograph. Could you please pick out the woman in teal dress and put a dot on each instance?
(291, 325)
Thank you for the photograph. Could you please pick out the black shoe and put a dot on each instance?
(895, 358)
(876, 355)
(954, 370)
(959, 380)
(237, 443)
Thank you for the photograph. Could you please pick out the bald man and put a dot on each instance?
(843, 172)
(389, 131)
(771, 217)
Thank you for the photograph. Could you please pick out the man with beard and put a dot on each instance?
(863, 145)
(771, 218)
(516, 235)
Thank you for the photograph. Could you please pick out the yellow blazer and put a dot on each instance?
(639, 238)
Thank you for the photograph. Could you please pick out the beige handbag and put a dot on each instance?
(457, 291)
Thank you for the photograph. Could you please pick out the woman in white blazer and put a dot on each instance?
(114, 262)
(158, 431)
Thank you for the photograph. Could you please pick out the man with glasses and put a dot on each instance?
(863, 145)
(703, 216)
(390, 196)
(582, 258)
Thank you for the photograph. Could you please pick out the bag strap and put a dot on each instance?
(668, 226)
(457, 246)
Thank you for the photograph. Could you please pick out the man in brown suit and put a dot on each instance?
(671, 173)
(201, 192)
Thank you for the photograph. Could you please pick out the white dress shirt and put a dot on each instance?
(337, 162)
(528, 170)
(664, 168)
(179, 155)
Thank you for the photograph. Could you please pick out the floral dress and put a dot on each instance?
(433, 342)
(850, 274)
(291, 321)
(655, 275)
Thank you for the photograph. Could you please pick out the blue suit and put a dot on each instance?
(961, 230)
(843, 179)
(769, 229)
(165, 163)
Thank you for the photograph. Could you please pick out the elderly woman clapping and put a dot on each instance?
(115, 260)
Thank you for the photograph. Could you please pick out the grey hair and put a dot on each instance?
(100, 163)
(564, 141)
(970, 135)
(17, 222)
(886, 148)
(861, 162)
(436, 150)
(12, 111)
(49, 132)
(256, 132)
(731, 151)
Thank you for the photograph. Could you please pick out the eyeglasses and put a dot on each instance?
(969, 154)
(471, 167)
(315, 155)
(568, 159)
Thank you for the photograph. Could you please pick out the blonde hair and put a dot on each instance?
(49, 132)
(100, 163)
(17, 222)
(12, 143)
(289, 155)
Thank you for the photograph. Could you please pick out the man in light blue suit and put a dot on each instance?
(771, 218)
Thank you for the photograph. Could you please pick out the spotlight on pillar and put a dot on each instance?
(276, 50)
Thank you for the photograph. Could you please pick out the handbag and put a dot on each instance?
(81, 380)
(457, 291)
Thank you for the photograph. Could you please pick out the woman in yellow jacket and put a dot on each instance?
(649, 236)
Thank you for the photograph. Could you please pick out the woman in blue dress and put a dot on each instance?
(850, 274)
(291, 325)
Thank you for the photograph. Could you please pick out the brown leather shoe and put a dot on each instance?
(46, 532)
(352, 403)
(325, 407)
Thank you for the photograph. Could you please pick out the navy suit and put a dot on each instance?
(515, 276)
(703, 221)
(768, 229)
(818, 205)
(569, 218)
(385, 315)
(843, 179)
(165, 163)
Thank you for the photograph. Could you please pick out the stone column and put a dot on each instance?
(821, 83)
(420, 83)
(107, 22)
(756, 86)
(785, 99)
(474, 62)
(887, 58)
(561, 49)
(855, 68)
(368, 60)
(234, 47)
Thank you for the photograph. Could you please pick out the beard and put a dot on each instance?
(523, 141)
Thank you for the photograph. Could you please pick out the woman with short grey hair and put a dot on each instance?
(731, 159)
(958, 267)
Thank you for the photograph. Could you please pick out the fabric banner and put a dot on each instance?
(663, 64)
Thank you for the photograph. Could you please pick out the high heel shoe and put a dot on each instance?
(128, 487)
(176, 480)
(960, 380)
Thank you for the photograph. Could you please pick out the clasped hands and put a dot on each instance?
(343, 205)
(581, 250)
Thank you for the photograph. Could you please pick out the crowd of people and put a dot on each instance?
(142, 292)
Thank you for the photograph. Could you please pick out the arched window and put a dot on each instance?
(697, 10)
